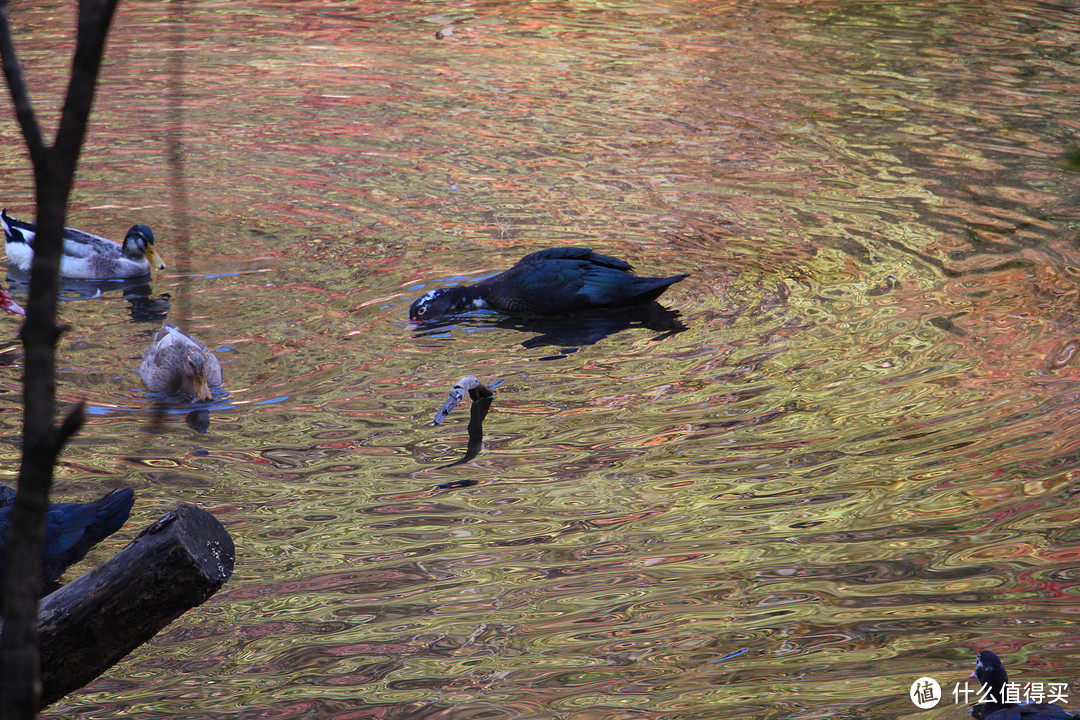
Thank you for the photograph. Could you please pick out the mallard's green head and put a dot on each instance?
(139, 243)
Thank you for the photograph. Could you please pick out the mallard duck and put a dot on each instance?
(555, 281)
(179, 364)
(71, 529)
(86, 256)
(991, 674)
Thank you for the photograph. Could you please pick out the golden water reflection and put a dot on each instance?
(854, 467)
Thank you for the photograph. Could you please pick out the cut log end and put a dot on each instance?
(208, 546)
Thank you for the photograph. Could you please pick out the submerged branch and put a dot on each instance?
(469, 384)
(481, 395)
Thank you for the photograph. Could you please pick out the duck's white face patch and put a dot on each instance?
(479, 304)
(426, 297)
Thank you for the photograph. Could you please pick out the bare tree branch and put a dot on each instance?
(91, 623)
(71, 424)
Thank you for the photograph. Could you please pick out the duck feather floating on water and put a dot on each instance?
(86, 256)
(177, 363)
(555, 281)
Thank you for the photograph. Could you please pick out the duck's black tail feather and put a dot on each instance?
(651, 288)
(109, 515)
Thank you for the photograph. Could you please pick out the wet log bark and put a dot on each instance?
(93, 622)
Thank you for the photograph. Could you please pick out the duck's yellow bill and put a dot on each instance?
(154, 258)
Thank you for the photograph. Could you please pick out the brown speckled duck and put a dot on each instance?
(178, 364)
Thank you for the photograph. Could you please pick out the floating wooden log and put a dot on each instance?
(94, 621)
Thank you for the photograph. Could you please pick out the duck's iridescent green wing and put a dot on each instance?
(575, 253)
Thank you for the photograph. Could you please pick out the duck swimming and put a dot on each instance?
(178, 364)
(86, 256)
(555, 281)
(71, 529)
(990, 672)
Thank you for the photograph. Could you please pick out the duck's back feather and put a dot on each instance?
(1039, 711)
(72, 528)
(576, 253)
(163, 363)
(559, 280)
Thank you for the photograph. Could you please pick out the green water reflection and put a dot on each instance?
(857, 462)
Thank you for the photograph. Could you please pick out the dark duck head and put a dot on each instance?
(139, 244)
(443, 301)
(556, 281)
(991, 674)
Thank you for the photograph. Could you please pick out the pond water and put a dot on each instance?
(851, 461)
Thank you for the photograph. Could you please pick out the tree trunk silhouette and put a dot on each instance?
(54, 172)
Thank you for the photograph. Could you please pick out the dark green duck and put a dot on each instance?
(556, 281)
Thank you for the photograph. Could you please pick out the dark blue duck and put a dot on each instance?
(990, 672)
(71, 528)
(556, 281)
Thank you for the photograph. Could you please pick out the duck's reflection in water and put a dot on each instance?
(568, 333)
(145, 307)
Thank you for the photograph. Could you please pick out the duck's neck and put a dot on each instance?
(130, 250)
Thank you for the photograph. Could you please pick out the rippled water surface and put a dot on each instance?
(849, 462)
